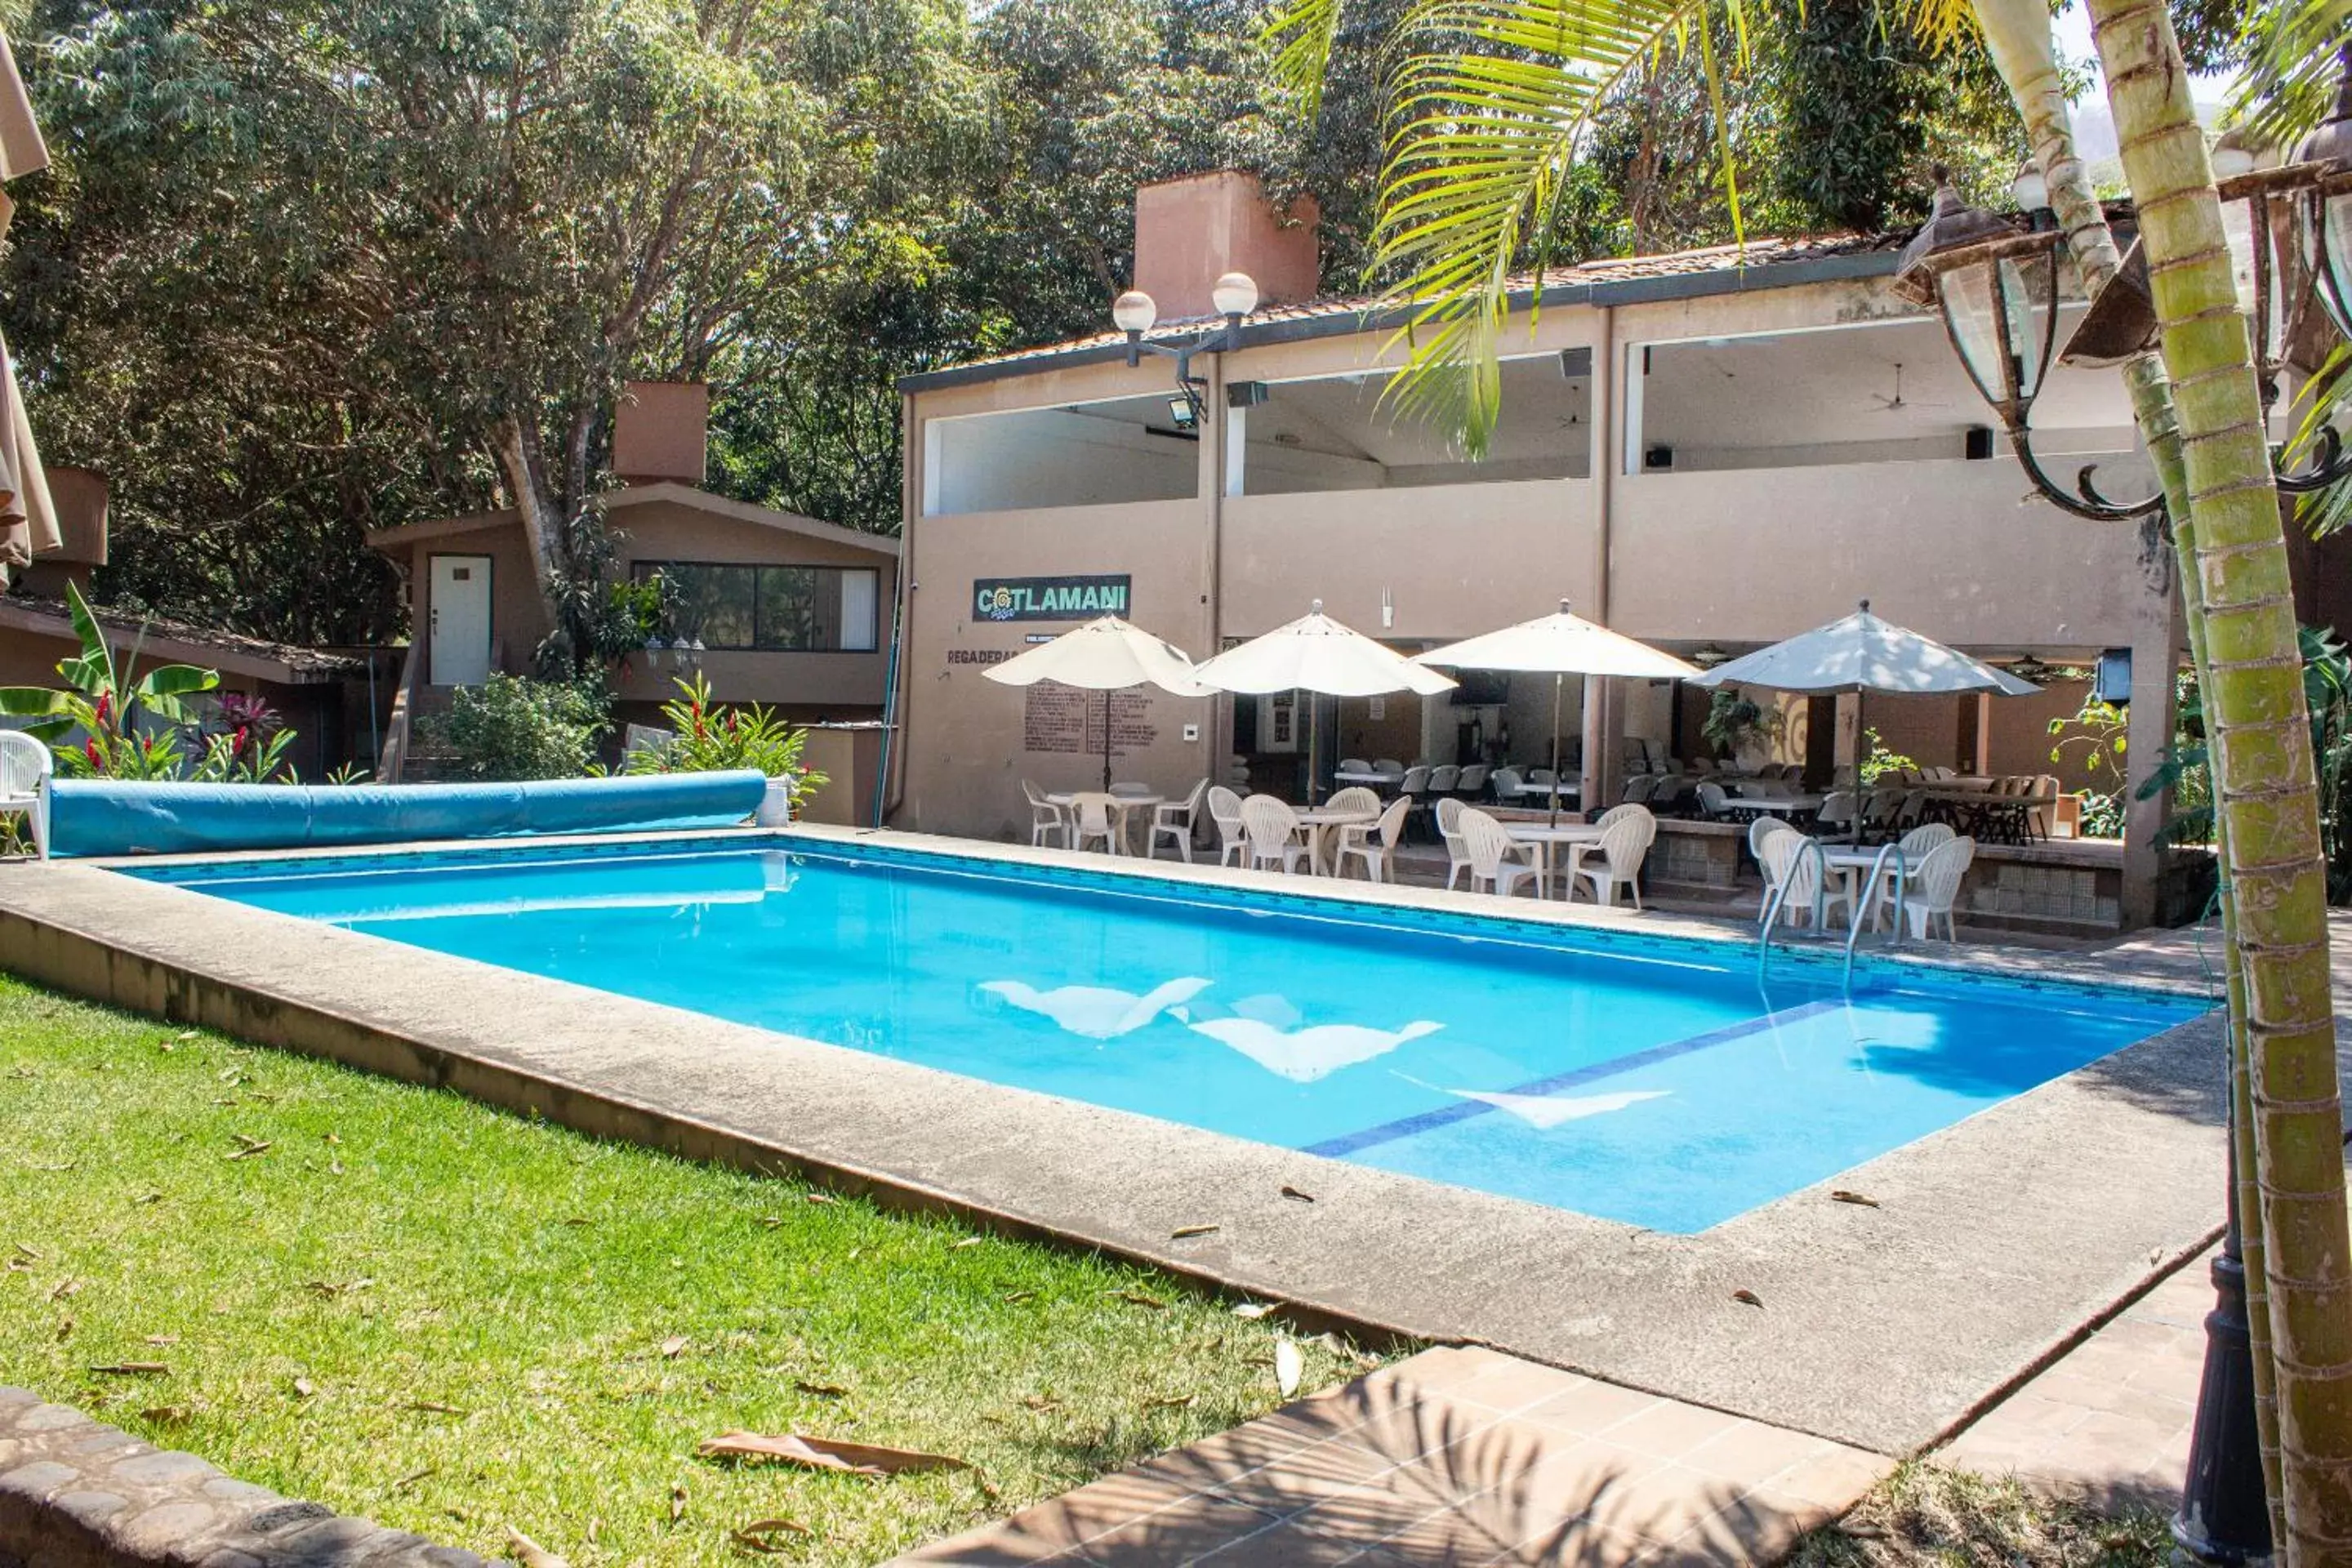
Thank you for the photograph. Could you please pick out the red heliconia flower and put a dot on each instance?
(105, 705)
(97, 758)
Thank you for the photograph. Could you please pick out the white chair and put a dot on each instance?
(1619, 813)
(1497, 861)
(1792, 878)
(1837, 810)
(1935, 888)
(1354, 798)
(1473, 782)
(1047, 820)
(1272, 830)
(1225, 812)
(1091, 817)
(1443, 780)
(1354, 765)
(1624, 844)
(1506, 784)
(1173, 820)
(1760, 832)
(1389, 766)
(1375, 843)
(1915, 847)
(1713, 800)
(24, 769)
(1640, 788)
(1449, 829)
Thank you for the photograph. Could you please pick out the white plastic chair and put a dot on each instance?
(1473, 782)
(1713, 800)
(1497, 861)
(25, 772)
(1355, 798)
(1354, 765)
(1047, 820)
(1225, 812)
(1619, 813)
(1388, 765)
(1375, 843)
(1504, 782)
(1449, 829)
(1091, 818)
(1272, 830)
(1935, 888)
(1837, 809)
(1442, 781)
(1792, 878)
(1173, 820)
(1762, 832)
(1624, 844)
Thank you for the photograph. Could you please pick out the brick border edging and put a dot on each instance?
(75, 1493)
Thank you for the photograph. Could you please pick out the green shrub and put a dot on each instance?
(705, 738)
(512, 728)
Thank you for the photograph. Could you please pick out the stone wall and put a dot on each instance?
(74, 1493)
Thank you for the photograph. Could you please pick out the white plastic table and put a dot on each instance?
(1852, 862)
(1372, 776)
(1544, 836)
(1125, 802)
(1317, 819)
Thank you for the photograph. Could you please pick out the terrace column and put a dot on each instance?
(2158, 632)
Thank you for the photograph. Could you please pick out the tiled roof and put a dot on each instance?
(1559, 280)
(123, 627)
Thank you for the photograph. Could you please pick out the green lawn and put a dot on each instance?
(1923, 1516)
(408, 1306)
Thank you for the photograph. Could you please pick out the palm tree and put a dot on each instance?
(1496, 98)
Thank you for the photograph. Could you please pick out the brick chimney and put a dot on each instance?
(661, 432)
(1189, 230)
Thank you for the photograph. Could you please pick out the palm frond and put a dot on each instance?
(1301, 34)
(2325, 400)
(1946, 26)
(1494, 100)
(2289, 81)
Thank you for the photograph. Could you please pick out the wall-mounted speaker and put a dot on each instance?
(1979, 443)
(1657, 456)
(1245, 394)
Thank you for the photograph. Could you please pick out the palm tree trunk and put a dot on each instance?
(2017, 36)
(2262, 774)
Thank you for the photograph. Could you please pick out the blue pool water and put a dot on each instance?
(1649, 1080)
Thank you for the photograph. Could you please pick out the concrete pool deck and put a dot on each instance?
(1994, 1243)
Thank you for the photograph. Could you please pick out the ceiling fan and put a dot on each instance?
(1898, 401)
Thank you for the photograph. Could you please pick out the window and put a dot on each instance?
(772, 609)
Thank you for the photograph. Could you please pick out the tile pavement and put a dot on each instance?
(1454, 1457)
(2110, 1420)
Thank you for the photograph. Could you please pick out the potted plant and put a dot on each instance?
(1736, 723)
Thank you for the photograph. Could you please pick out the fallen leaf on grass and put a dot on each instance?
(60, 1165)
(65, 1287)
(331, 1137)
(1748, 1297)
(304, 1388)
(825, 1454)
(163, 1339)
(147, 1198)
(1041, 1402)
(64, 1327)
(1289, 1366)
(578, 1219)
(1182, 1231)
(673, 1347)
(327, 1290)
(771, 1220)
(1294, 1193)
(185, 1034)
(1018, 1297)
(1137, 1298)
(818, 1197)
(759, 1535)
(823, 1389)
(677, 1503)
(531, 1553)
(133, 1369)
(25, 1251)
(1843, 1197)
(1169, 1401)
(1251, 1312)
(414, 1477)
(251, 1147)
(432, 1407)
(967, 1241)
(166, 1415)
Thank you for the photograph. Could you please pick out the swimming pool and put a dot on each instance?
(1650, 1080)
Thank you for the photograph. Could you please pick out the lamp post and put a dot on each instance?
(1997, 287)
(1135, 312)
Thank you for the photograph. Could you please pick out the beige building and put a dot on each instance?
(1709, 451)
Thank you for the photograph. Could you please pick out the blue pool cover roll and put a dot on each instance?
(107, 817)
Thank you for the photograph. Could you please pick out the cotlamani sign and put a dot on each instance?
(1049, 598)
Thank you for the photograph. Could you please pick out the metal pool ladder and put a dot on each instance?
(1778, 899)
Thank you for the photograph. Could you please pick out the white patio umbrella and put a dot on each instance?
(1105, 655)
(1317, 654)
(1559, 645)
(1863, 653)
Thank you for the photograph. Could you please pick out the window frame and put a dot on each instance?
(639, 571)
